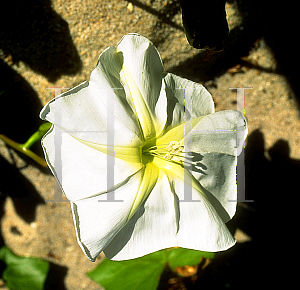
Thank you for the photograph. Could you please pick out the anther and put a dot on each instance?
(174, 150)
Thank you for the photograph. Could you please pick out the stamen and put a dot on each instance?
(172, 152)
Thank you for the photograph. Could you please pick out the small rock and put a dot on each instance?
(130, 7)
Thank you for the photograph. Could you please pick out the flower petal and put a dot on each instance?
(186, 100)
(152, 228)
(130, 154)
(151, 174)
(98, 220)
(82, 170)
(142, 79)
(178, 132)
(222, 132)
(217, 174)
(139, 105)
(200, 225)
(198, 210)
(93, 235)
(166, 220)
(94, 108)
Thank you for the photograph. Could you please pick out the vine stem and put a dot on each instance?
(24, 148)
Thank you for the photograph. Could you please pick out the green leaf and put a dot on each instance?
(179, 257)
(141, 273)
(23, 273)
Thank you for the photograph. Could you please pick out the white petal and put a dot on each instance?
(166, 220)
(200, 226)
(217, 174)
(222, 132)
(97, 220)
(142, 66)
(152, 228)
(91, 109)
(82, 170)
(186, 100)
(200, 215)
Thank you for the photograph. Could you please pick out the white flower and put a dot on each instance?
(173, 165)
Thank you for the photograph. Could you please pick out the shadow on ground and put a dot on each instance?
(19, 119)
(20, 105)
(32, 32)
(276, 24)
(26, 199)
(265, 261)
(55, 278)
(19, 111)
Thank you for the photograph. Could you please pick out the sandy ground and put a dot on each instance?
(57, 45)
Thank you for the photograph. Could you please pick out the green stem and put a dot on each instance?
(32, 139)
(24, 148)
(37, 135)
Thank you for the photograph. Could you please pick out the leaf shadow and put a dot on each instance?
(55, 278)
(25, 199)
(32, 32)
(260, 21)
(23, 194)
(19, 111)
(165, 15)
(277, 24)
(271, 179)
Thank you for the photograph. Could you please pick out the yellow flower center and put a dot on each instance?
(175, 148)
(169, 152)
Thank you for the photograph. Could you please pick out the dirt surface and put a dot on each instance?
(57, 44)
